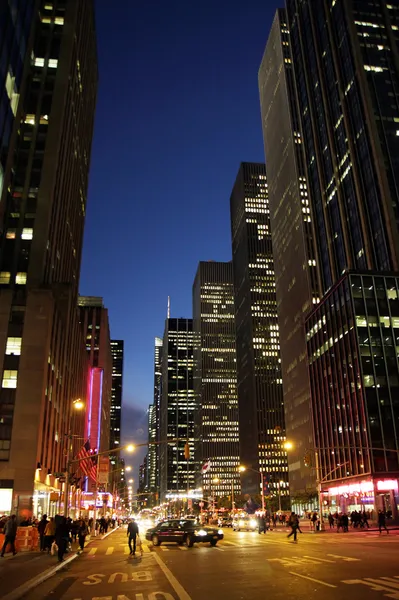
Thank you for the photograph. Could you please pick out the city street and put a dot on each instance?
(245, 565)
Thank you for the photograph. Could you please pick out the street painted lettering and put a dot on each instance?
(94, 579)
(160, 596)
(119, 577)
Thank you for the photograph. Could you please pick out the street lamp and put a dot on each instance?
(279, 484)
(77, 405)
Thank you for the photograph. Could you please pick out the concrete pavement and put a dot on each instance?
(245, 565)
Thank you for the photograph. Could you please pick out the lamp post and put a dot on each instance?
(279, 494)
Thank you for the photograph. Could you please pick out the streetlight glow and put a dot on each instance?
(241, 468)
(78, 404)
(288, 445)
(130, 448)
(128, 468)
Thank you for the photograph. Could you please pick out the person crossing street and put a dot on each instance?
(132, 532)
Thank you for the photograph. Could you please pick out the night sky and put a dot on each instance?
(177, 111)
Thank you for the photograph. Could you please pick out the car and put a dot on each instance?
(183, 531)
(245, 524)
(225, 522)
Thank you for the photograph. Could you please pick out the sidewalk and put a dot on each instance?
(18, 571)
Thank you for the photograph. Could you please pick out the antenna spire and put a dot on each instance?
(168, 313)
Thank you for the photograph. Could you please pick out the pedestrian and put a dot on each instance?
(41, 529)
(331, 520)
(10, 533)
(62, 536)
(82, 533)
(293, 522)
(132, 532)
(261, 524)
(49, 534)
(382, 521)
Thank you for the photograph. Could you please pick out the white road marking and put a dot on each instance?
(320, 559)
(92, 551)
(345, 558)
(164, 549)
(312, 579)
(109, 550)
(179, 589)
(182, 547)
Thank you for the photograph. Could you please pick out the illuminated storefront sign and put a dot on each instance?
(5, 500)
(387, 485)
(363, 487)
(360, 487)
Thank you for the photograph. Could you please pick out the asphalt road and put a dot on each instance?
(245, 565)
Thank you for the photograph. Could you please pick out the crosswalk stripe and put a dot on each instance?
(92, 551)
(145, 548)
(109, 550)
(164, 549)
(182, 547)
(127, 550)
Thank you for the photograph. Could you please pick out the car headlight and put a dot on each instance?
(252, 523)
(201, 532)
(220, 532)
(241, 523)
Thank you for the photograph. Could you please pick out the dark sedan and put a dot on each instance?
(183, 531)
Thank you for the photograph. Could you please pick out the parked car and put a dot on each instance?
(183, 531)
(245, 524)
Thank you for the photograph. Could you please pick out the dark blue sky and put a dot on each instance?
(177, 112)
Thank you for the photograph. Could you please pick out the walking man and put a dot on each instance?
(294, 524)
(381, 521)
(132, 532)
(10, 533)
(41, 528)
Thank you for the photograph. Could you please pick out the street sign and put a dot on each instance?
(62, 479)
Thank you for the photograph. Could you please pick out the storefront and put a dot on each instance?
(369, 495)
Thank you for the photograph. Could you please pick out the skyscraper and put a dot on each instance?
(95, 325)
(215, 376)
(346, 74)
(117, 348)
(154, 423)
(294, 252)
(260, 394)
(178, 408)
(43, 200)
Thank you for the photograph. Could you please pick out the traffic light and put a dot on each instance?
(307, 459)
(186, 451)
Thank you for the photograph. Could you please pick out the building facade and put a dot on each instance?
(294, 253)
(215, 376)
(154, 434)
(116, 462)
(45, 167)
(177, 411)
(346, 77)
(259, 380)
(353, 340)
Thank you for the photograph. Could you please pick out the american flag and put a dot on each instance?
(87, 463)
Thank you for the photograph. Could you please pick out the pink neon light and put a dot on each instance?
(387, 484)
(352, 488)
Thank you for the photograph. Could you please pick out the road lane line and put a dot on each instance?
(182, 547)
(320, 559)
(92, 551)
(109, 550)
(312, 579)
(179, 589)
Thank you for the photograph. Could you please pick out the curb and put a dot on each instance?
(31, 583)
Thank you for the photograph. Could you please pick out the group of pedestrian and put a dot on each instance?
(58, 533)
